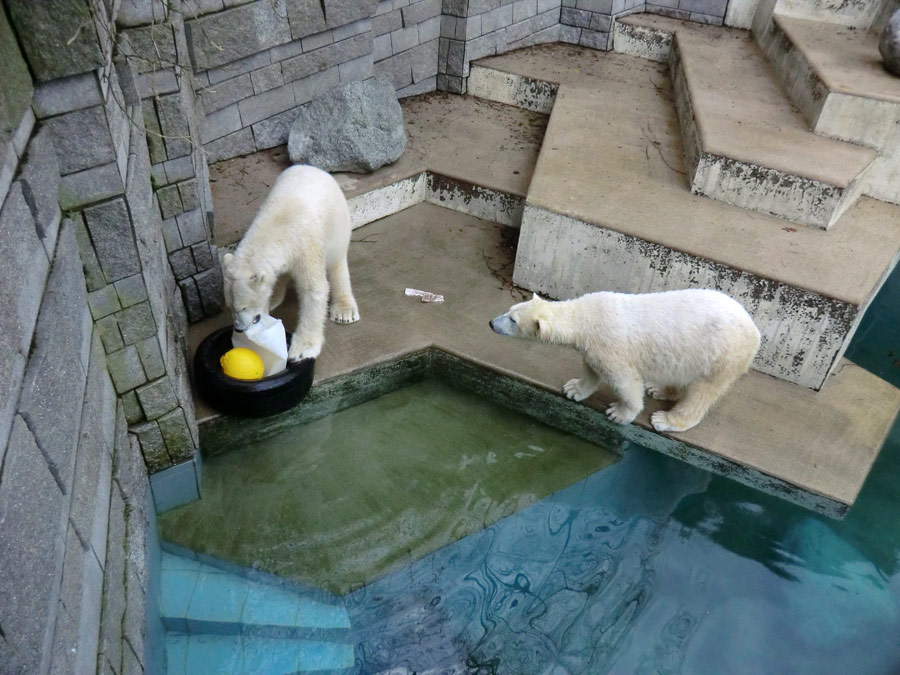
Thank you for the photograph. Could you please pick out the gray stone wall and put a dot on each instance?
(93, 352)
(406, 40)
(473, 29)
(589, 22)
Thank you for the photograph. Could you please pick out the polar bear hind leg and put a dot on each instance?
(696, 401)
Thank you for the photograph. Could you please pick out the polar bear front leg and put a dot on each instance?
(579, 389)
(310, 333)
(629, 388)
(343, 304)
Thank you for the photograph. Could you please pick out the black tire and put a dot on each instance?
(247, 398)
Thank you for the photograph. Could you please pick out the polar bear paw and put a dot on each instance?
(304, 349)
(577, 390)
(662, 421)
(344, 312)
(620, 413)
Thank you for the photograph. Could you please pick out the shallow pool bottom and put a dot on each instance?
(345, 499)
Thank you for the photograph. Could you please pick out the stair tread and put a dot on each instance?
(613, 156)
(743, 112)
(845, 59)
(195, 591)
(201, 654)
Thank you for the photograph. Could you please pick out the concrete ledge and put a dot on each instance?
(803, 333)
(631, 35)
(511, 89)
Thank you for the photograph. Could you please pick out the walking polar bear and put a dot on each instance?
(302, 231)
(687, 346)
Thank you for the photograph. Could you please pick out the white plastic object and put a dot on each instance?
(267, 338)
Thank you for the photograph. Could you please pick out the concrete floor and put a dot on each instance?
(814, 448)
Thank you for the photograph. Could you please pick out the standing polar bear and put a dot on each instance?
(687, 346)
(302, 231)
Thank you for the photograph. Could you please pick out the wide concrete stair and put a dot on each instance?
(833, 74)
(736, 124)
(220, 621)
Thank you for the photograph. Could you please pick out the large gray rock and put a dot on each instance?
(356, 127)
(889, 46)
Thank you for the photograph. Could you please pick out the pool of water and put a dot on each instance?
(644, 565)
(343, 500)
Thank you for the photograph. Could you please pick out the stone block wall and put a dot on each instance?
(92, 347)
(406, 39)
(474, 29)
(152, 39)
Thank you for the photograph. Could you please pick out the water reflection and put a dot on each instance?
(649, 566)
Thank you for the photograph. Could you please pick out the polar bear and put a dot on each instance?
(302, 231)
(687, 346)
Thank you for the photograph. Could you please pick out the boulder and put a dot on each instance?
(889, 46)
(355, 127)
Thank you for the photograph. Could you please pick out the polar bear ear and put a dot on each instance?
(227, 260)
(536, 298)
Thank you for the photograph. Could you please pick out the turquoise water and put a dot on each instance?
(652, 566)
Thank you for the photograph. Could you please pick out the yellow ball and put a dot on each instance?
(242, 364)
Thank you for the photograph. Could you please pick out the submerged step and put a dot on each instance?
(244, 654)
(201, 598)
(834, 75)
(745, 143)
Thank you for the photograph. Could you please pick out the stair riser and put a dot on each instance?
(803, 333)
(522, 92)
(198, 627)
(852, 14)
(884, 178)
(493, 205)
(750, 186)
(642, 42)
(800, 81)
(388, 200)
(757, 188)
(451, 193)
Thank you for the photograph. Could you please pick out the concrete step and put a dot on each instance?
(188, 654)
(834, 75)
(737, 124)
(609, 208)
(235, 612)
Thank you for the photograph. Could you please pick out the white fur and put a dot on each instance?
(302, 230)
(688, 346)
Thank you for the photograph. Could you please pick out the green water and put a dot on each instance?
(346, 499)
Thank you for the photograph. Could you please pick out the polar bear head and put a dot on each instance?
(247, 291)
(528, 320)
